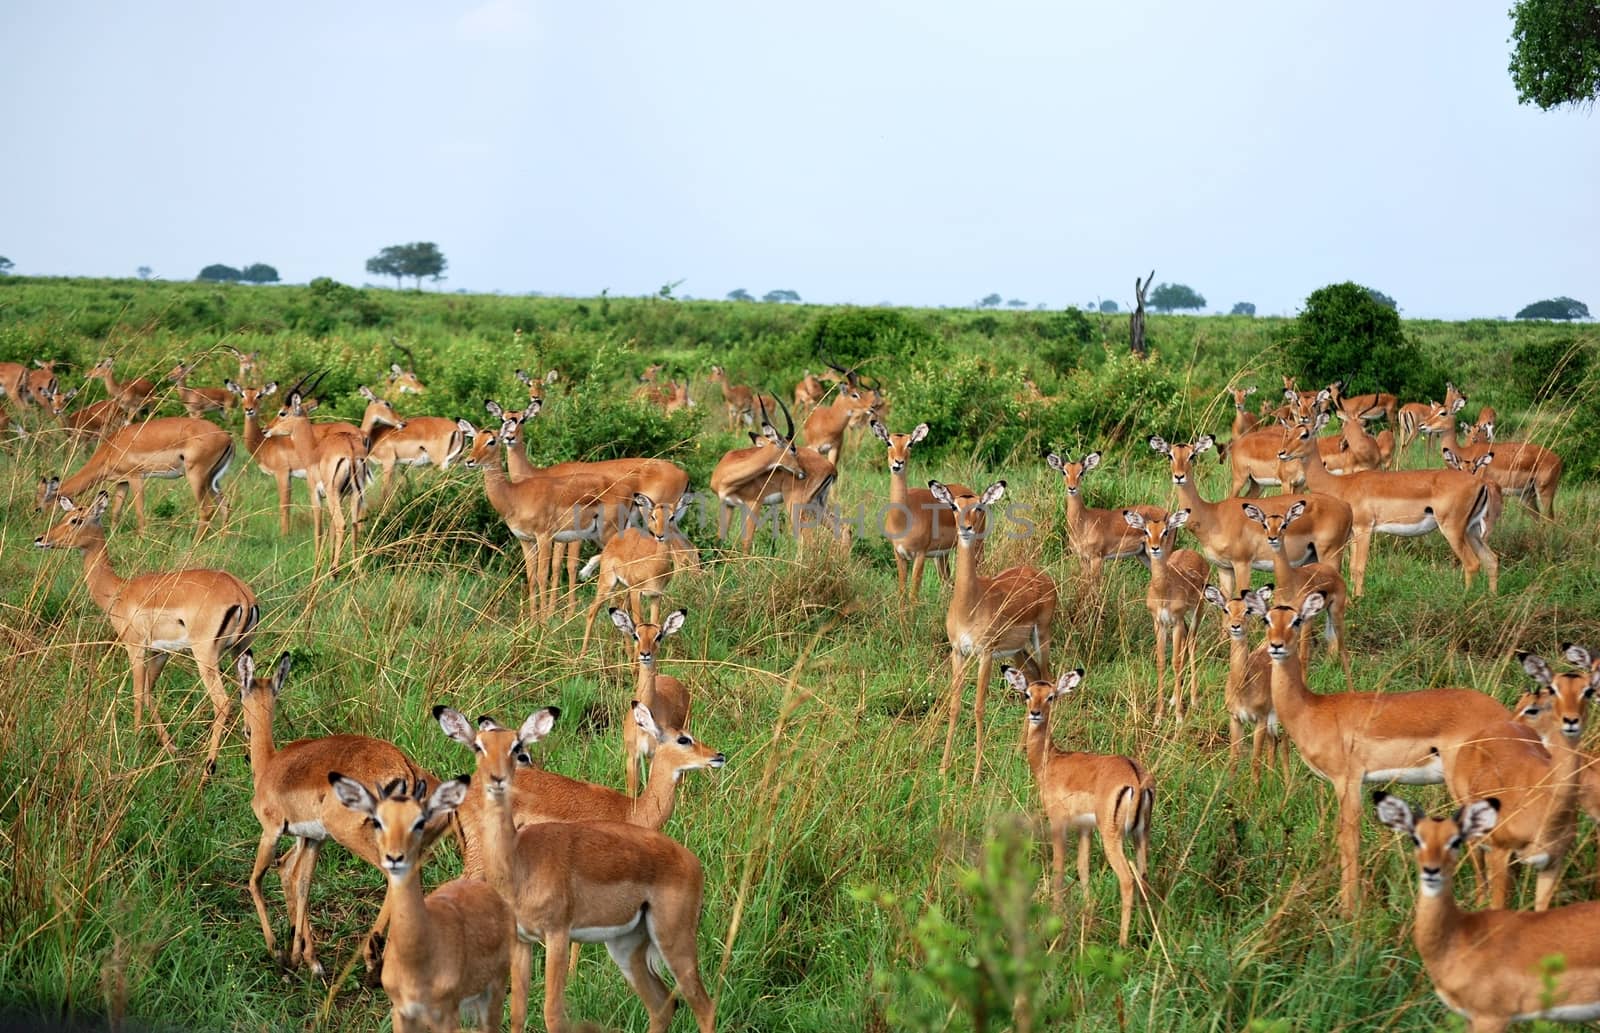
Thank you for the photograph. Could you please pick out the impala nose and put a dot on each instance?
(718, 760)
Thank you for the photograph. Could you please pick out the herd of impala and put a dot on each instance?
(553, 860)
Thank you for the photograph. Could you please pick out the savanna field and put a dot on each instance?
(849, 885)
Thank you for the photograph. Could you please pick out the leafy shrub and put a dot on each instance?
(1550, 367)
(330, 304)
(957, 400)
(1065, 333)
(851, 335)
(1123, 398)
(1345, 333)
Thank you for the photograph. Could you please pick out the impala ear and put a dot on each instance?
(1536, 668)
(879, 431)
(1016, 680)
(1479, 817)
(233, 388)
(1053, 461)
(492, 407)
(1091, 461)
(1294, 513)
(523, 375)
(1158, 444)
(1203, 443)
(552, 376)
(1254, 513)
(366, 392)
(673, 622)
(245, 668)
(919, 432)
(1310, 606)
(394, 369)
(1215, 597)
(270, 389)
(447, 797)
(1457, 406)
(456, 725)
(280, 673)
(993, 493)
(642, 500)
(537, 726)
(1177, 520)
(535, 405)
(353, 794)
(646, 721)
(1264, 593)
(1395, 812)
(941, 493)
(1135, 519)
(1576, 654)
(97, 508)
(1257, 601)
(1249, 391)
(466, 428)
(624, 621)
(1068, 681)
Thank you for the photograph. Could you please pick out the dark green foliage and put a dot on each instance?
(6, 265)
(851, 335)
(1064, 333)
(781, 295)
(1243, 308)
(1108, 306)
(1345, 333)
(1171, 297)
(332, 303)
(965, 415)
(1383, 299)
(417, 259)
(1555, 308)
(259, 272)
(740, 294)
(219, 273)
(990, 301)
(1120, 398)
(1555, 56)
(1550, 367)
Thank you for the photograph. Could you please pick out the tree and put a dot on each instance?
(1168, 297)
(1108, 306)
(145, 272)
(1382, 298)
(1016, 303)
(1555, 55)
(665, 293)
(259, 272)
(1555, 308)
(1345, 333)
(740, 294)
(990, 301)
(219, 273)
(1243, 308)
(388, 262)
(419, 259)
(1136, 321)
(5, 265)
(780, 296)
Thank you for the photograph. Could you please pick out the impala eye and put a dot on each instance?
(684, 740)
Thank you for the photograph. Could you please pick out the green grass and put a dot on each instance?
(122, 884)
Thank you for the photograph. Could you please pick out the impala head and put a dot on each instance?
(1158, 533)
(536, 385)
(399, 815)
(499, 749)
(718, 375)
(652, 371)
(1438, 841)
(899, 444)
(99, 369)
(379, 413)
(1283, 624)
(1040, 695)
(404, 381)
(1072, 473)
(1453, 398)
(1239, 395)
(1274, 524)
(179, 372)
(674, 746)
(785, 441)
(659, 517)
(1562, 698)
(247, 361)
(290, 415)
(57, 400)
(486, 441)
(79, 528)
(647, 637)
(1182, 456)
(971, 510)
(1236, 612)
(258, 696)
(250, 397)
(1300, 439)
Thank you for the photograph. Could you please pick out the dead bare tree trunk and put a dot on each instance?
(1136, 321)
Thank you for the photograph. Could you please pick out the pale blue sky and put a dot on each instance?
(902, 150)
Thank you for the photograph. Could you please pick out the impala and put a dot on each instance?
(1253, 459)
(1376, 406)
(1293, 583)
(536, 385)
(641, 560)
(1248, 694)
(41, 380)
(1490, 966)
(95, 420)
(1521, 468)
(1413, 415)
(248, 362)
(197, 401)
(1177, 587)
(1408, 504)
(916, 524)
(810, 391)
(1000, 616)
(1349, 738)
(336, 470)
(666, 697)
(660, 479)
(174, 446)
(206, 613)
(290, 797)
(275, 457)
(1244, 421)
(404, 381)
(131, 395)
(14, 383)
(1361, 451)
(418, 441)
(635, 890)
(1097, 535)
(739, 399)
(1537, 786)
(1085, 792)
(451, 949)
(1232, 542)
(772, 472)
(826, 425)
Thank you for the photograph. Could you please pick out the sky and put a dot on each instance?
(916, 152)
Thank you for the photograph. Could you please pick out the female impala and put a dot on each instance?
(451, 949)
(1177, 587)
(1248, 695)
(291, 798)
(1537, 787)
(336, 470)
(418, 441)
(825, 426)
(1083, 792)
(641, 560)
(1293, 583)
(635, 890)
(93, 421)
(1521, 468)
(772, 472)
(175, 446)
(197, 401)
(1490, 966)
(1000, 616)
(131, 395)
(207, 613)
(1097, 535)
(666, 696)
(1353, 737)
(739, 399)
(1244, 421)
(917, 524)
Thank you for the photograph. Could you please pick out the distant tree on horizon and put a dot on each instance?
(5, 265)
(1383, 299)
(1107, 306)
(144, 272)
(1170, 297)
(417, 259)
(740, 294)
(1016, 303)
(780, 296)
(1243, 308)
(990, 301)
(258, 272)
(219, 273)
(1555, 308)
(1555, 54)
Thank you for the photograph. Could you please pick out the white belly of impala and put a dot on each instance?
(170, 645)
(603, 933)
(1428, 774)
(1084, 821)
(1408, 530)
(313, 829)
(1564, 1013)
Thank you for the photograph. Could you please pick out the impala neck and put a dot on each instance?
(262, 748)
(898, 489)
(498, 843)
(653, 808)
(377, 432)
(1317, 476)
(1288, 579)
(304, 440)
(1238, 660)
(102, 580)
(1077, 511)
(409, 946)
(967, 588)
(645, 683)
(1290, 697)
(1436, 922)
(1201, 512)
(495, 484)
(1447, 438)
(1037, 741)
(1158, 571)
(253, 438)
(517, 459)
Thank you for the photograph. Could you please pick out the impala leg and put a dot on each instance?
(1499, 876)
(1360, 547)
(304, 868)
(1457, 539)
(631, 956)
(1083, 864)
(1333, 626)
(521, 983)
(917, 565)
(1111, 842)
(632, 752)
(900, 574)
(1487, 557)
(675, 940)
(602, 592)
(1161, 670)
(153, 667)
(1058, 862)
(265, 849)
(556, 945)
(751, 515)
(206, 658)
(1350, 846)
(724, 518)
(1236, 741)
(372, 944)
(283, 478)
(573, 550)
(136, 485)
(985, 666)
(530, 570)
(958, 673)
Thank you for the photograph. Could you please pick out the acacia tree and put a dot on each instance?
(418, 259)
(5, 265)
(1172, 296)
(739, 294)
(258, 272)
(1555, 55)
(1243, 308)
(1555, 308)
(219, 273)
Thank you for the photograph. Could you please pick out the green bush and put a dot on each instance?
(852, 335)
(958, 401)
(1550, 368)
(1123, 398)
(1345, 333)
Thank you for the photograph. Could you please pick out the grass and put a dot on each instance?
(122, 880)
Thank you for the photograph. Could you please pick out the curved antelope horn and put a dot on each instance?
(828, 360)
(313, 385)
(788, 420)
(411, 359)
(297, 386)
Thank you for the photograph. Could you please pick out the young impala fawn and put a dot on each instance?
(1353, 737)
(1489, 966)
(666, 696)
(1083, 792)
(291, 798)
(1537, 784)
(1097, 535)
(451, 949)
(1293, 583)
(635, 890)
(1177, 587)
(641, 560)
(206, 613)
(1248, 695)
(1000, 616)
(916, 524)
